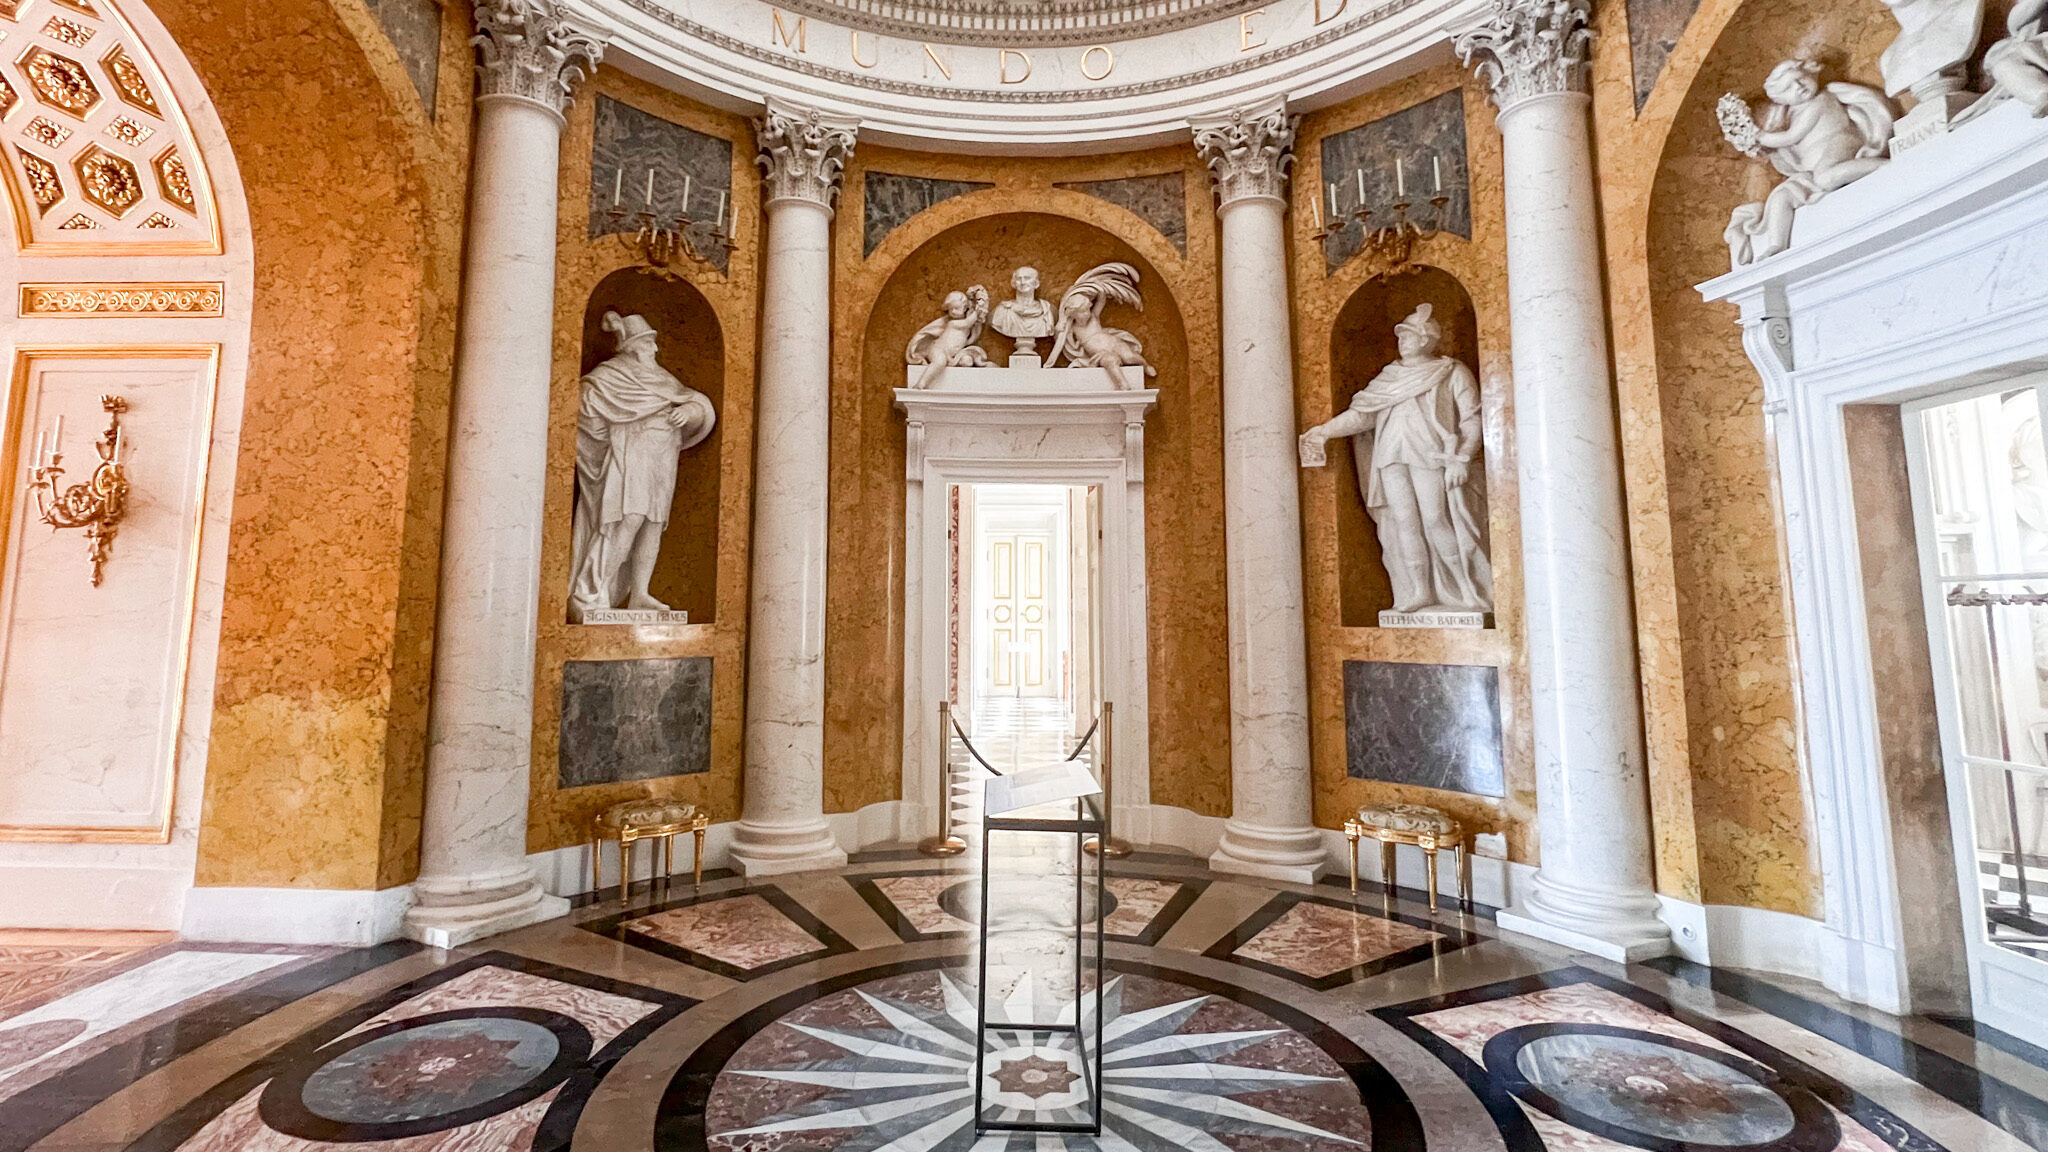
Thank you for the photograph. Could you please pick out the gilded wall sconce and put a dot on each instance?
(96, 505)
(661, 244)
(1389, 248)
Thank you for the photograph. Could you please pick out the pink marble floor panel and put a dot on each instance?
(1317, 940)
(1138, 902)
(1468, 1028)
(917, 897)
(743, 931)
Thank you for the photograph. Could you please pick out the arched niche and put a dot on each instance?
(692, 348)
(865, 644)
(1362, 343)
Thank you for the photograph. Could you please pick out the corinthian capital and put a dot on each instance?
(803, 152)
(532, 51)
(1248, 152)
(1530, 48)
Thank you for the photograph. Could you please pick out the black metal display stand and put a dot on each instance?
(1084, 1119)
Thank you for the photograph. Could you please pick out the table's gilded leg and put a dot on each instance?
(1429, 855)
(698, 860)
(1388, 877)
(596, 864)
(1351, 834)
(1465, 874)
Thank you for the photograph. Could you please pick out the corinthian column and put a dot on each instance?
(1594, 889)
(782, 819)
(1271, 830)
(474, 879)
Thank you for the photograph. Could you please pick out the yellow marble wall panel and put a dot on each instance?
(1479, 265)
(881, 298)
(1714, 626)
(354, 195)
(558, 817)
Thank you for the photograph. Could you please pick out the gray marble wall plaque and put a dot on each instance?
(1432, 725)
(629, 146)
(1161, 201)
(1428, 142)
(634, 720)
(414, 27)
(889, 201)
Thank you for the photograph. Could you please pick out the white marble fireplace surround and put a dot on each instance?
(1929, 275)
(1026, 426)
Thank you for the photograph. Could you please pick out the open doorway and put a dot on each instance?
(1026, 618)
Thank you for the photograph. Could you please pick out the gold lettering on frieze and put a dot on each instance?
(1108, 62)
(201, 300)
(858, 62)
(1245, 31)
(1323, 18)
(1004, 60)
(932, 58)
(796, 37)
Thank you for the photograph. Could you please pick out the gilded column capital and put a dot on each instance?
(803, 152)
(1248, 152)
(1530, 48)
(531, 50)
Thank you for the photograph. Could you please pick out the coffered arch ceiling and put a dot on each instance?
(1026, 75)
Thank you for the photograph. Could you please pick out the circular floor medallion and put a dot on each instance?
(424, 1074)
(1657, 1092)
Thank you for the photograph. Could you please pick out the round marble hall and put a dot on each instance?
(1024, 575)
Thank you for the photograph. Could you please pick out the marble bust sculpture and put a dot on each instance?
(1415, 431)
(1820, 137)
(1935, 36)
(1024, 317)
(949, 341)
(635, 420)
(1082, 337)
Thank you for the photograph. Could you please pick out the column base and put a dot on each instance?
(453, 925)
(1618, 926)
(776, 849)
(1292, 855)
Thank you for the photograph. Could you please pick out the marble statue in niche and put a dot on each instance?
(1024, 317)
(1820, 137)
(1415, 433)
(634, 421)
(949, 341)
(1080, 335)
(2017, 66)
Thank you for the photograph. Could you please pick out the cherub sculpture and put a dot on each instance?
(1820, 137)
(1080, 335)
(2017, 66)
(949, 341)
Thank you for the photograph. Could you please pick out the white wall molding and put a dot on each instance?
(296, 915)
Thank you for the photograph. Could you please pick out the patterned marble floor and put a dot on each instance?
(835, 1012)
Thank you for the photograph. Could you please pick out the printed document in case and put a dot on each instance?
(1066, 780)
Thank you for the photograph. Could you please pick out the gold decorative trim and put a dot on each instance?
(109, 300)
(25, 357)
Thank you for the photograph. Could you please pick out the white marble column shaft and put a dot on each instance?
(1271, 831)
(782, 820)
(474, 879)
(1595, 886)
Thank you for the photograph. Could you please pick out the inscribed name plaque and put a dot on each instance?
(634, 720)
(1431, 620)
(1429, 725)
(634, 616)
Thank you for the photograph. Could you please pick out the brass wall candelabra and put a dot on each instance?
(1389, 248)
(661, 244)
(96, 505)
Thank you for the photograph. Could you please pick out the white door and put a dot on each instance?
(1980, 492)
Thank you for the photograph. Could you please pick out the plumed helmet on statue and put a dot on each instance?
(627, 328)
(1419, 323)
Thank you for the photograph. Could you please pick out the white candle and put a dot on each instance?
(618, 185)
(1333, 200)
(57, 442)
(719, 220)
(118, 434)
(1400, 179)
(650, 188)
(42, 449)
(686, 193)
(1316, 206)
(733, 233)
(1436, 170)
(1361, 187)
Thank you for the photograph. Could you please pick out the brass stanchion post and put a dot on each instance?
(1116, 848)
(945, 843)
